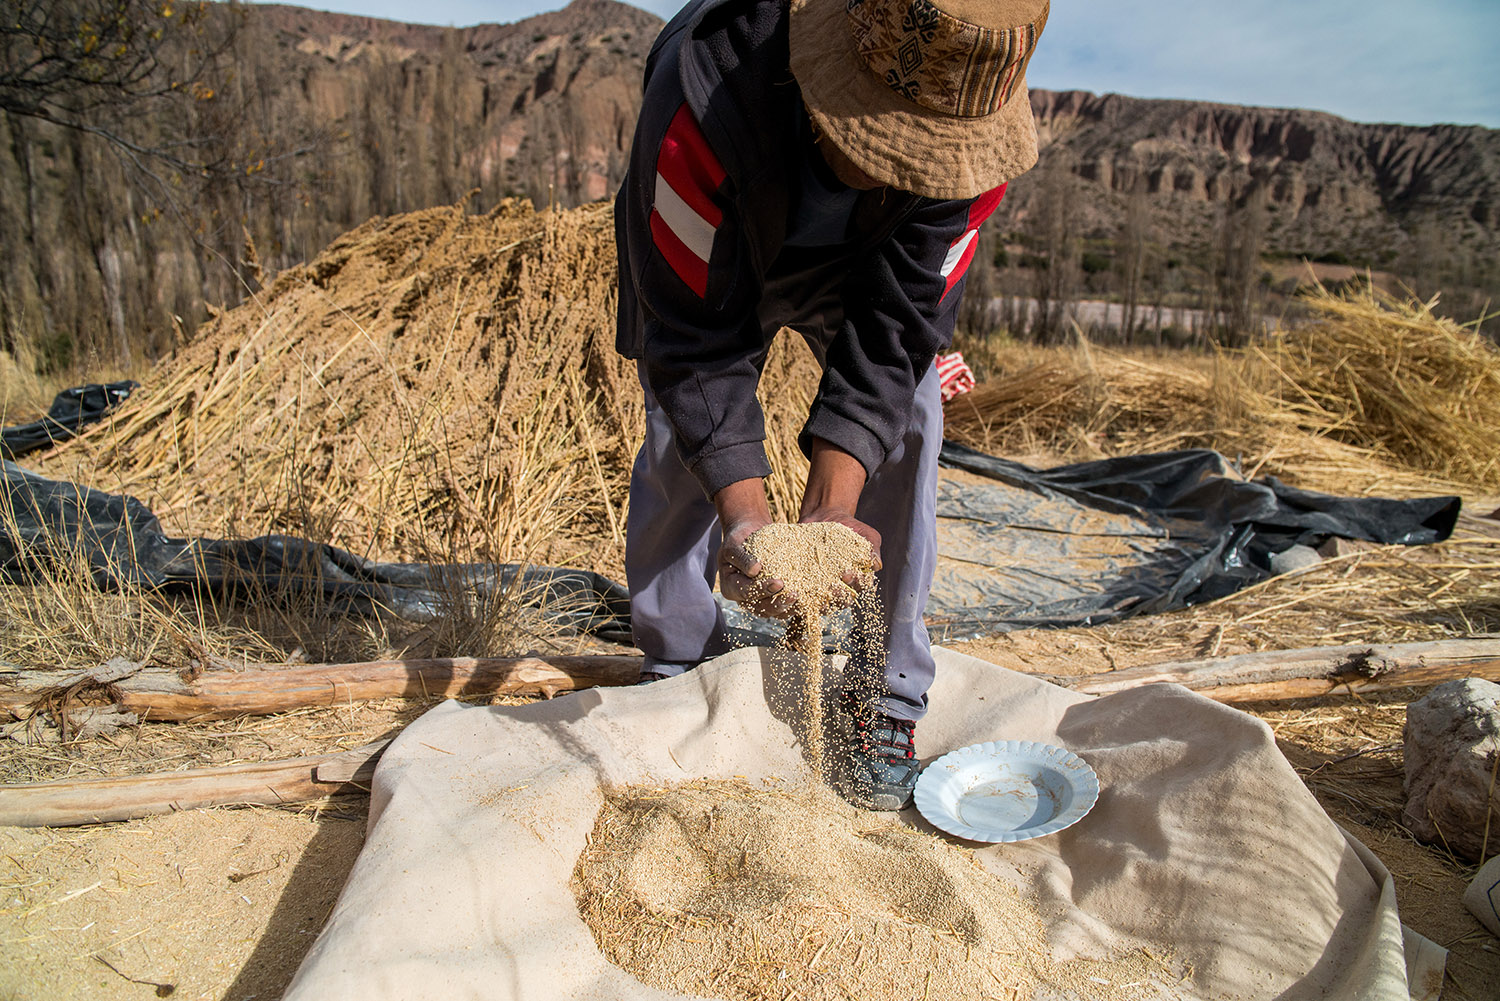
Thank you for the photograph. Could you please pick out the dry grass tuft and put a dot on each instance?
(23, 393)
(1378, 395)
(1384, 375)
(63, 618)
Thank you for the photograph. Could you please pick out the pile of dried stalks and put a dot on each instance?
(1376, 395)
(424, 387)
(1384, 375)
(22, 393)
(434, 386)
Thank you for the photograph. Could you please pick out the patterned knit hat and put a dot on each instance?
(927, 96)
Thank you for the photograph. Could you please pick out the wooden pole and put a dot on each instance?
(1273, 675)
(1309, 673)
(72, 802)
(156, 694)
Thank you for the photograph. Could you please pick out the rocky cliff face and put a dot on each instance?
(1371, 193)
(329, 119)
(550, 101)
(387, 117)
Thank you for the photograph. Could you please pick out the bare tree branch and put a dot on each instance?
(130, 72)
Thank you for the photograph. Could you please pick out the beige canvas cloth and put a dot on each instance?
(1203, 839)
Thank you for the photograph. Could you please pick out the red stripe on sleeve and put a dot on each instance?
(981, 210)
(690, 167)
(691, 268)
(984, 205)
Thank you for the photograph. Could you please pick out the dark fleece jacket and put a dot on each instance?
(690, 312)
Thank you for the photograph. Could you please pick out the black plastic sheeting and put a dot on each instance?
(46, 522)
(1019, 547)
(71, 410)
(1097, 541)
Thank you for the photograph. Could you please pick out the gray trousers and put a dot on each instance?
(673, 538)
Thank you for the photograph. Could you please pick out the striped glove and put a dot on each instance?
(954, 376)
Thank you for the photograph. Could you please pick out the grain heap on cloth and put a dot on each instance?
(498, 805)
(727, 890)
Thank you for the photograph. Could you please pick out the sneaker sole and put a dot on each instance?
(881, 802)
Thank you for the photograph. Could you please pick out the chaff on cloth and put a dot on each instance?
(1204, 840)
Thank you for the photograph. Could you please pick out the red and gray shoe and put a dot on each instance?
(874, 758)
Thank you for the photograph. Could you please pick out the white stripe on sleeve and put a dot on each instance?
(691, 228)
(955, 252)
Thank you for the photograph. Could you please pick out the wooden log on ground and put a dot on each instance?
(1272, 675)
(72, 802)
(1277, 675)
(156, 694)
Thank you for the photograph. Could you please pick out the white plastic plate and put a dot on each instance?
(1009, 790)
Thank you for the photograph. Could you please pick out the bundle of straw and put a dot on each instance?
(433, 386)
(1377, 395)
(1084, 401)
(1044, 404)
(1387, 376)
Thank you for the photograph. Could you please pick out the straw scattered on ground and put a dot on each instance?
(1363, 593)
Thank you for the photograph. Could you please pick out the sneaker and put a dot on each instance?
(653, 671)
(875, 762)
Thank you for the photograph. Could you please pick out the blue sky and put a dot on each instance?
(1369, 60)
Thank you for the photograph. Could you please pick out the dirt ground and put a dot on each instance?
(224, 903)
(201, 904)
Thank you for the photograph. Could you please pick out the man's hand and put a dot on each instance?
(742, 509)
(834, 483)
